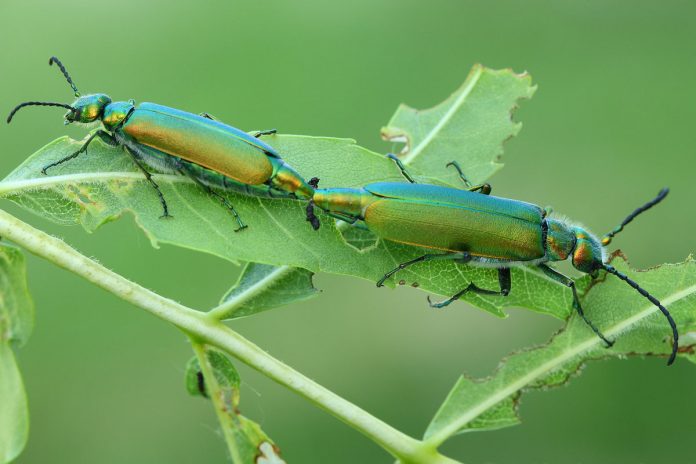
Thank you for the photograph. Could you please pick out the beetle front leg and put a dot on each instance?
(152, 182)
(568, 282)
(463, 257)
(503, 279)
(483, 188)
(102, 134)
(183, 169)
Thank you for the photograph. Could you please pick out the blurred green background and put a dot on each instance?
(616, 94)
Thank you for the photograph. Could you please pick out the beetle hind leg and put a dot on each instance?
(265, 132)
(483, 188)
(503, 279)
(462, 257)
(401, 167)
(257, 134)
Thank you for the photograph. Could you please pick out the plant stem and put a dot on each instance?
(213, 332)
(216, 397)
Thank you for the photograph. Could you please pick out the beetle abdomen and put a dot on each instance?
(205, 142)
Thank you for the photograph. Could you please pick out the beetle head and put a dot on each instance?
(588, 254)
(88, 108)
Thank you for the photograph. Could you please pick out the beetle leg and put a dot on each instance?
(401, 167)
(152, 182)
(460, 257)
(102, 134)
(568, 282)
(503, 279)
(483, 188)
(257, 134)
(183, 169)
(265, 132)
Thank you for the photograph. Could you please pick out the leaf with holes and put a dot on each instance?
(103, 184)
(469, 127)
(621, 313)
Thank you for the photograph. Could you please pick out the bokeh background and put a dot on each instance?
(611, 123)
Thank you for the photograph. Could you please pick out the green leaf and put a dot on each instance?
(218, 380)
(14, 412)
(103, 184)
(16, 305)
(619, 311)
(262, 287)
(16, 323)
(469, 127)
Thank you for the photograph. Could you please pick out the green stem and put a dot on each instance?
(213, 332)
(215, 395)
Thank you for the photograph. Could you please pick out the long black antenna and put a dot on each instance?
(55, 60)
(675, 333)
(22, 105)
(606, 240)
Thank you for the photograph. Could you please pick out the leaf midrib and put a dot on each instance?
(38, 183)
(461, 98)
(590, 343)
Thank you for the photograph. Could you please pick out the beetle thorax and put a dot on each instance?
(115, 113)
(565, 240)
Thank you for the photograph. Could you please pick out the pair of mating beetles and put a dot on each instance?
(463, 225)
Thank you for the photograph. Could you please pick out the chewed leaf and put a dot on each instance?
(103, 184)
(262, 287)
(469, 127)
(624, 315)
(16, 322)
(218, 380)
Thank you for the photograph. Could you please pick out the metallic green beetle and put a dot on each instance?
(168, 140)
(471, 227)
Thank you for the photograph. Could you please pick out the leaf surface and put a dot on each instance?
(101, 185)
(469, 127)
(262, 287)
(619, 311)
(16, 322)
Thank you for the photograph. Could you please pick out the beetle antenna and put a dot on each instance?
(606, 240)
(55, 60)
(22, 105)
(675, 333)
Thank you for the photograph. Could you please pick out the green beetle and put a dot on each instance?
(168, 140)
(472, 227)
